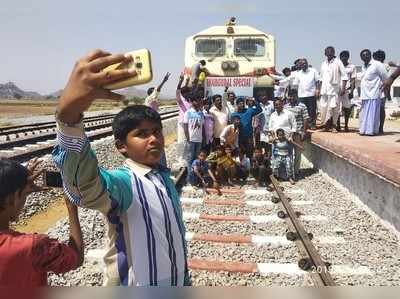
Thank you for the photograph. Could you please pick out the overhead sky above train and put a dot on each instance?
(41, 39)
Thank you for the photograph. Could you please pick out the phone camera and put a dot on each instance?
(139, 65)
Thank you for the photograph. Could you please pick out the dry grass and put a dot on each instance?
(16, 108)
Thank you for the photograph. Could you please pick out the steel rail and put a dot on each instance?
(47, 148)
(311, 260)
(106, 122)
(44, 125)
(12, 130)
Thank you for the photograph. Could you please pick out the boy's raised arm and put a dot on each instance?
(84, 182)
(86, 84)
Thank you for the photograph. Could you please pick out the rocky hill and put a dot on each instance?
(11, 91)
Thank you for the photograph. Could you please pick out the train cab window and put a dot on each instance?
(210, 47)
(396, 92)
(254, 47)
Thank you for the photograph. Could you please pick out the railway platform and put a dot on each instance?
(368, 166)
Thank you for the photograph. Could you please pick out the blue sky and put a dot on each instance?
(42, 39)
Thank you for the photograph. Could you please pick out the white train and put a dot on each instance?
(239, 56)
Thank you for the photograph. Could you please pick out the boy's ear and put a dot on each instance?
(121, 147)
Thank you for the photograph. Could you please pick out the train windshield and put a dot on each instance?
(210, 47)
(254, 47)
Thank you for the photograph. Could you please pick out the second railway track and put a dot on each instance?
(42, 140)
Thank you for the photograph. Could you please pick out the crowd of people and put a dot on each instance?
(224, 139)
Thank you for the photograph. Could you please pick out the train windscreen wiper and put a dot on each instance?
(215, 55)
(238, 53)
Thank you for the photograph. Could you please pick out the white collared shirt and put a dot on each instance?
(332, 75)
(154, 234)
(307, 82)
(285, 120)
(372, 78)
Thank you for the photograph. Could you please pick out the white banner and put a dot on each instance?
(241, 86)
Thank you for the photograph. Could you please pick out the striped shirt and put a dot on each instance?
(300, 113)
(146, 232)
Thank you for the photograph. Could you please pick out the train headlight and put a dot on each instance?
(225, 65)
(233, 65)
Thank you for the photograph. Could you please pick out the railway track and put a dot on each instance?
(254, 237)
(41, 139)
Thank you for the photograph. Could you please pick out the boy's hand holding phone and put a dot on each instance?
(87, 81)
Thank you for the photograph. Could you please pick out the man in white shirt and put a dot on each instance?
(334, 79)
(283, 83)
(372, 78)
(345, 100)
(380, 56)
(282, 119)
(221, 115)
(153, 94)
(307, 80)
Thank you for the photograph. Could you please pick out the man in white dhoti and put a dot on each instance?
(372, 78)
(334, 79)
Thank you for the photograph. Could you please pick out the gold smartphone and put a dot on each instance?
(141, 63)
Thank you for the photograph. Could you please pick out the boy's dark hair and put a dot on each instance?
(150, 91)
(13, 177)
(130, 118)
(204, 151)
(280, 130)
(258, 148)
(239, 100)
(286, 69)
(202, 62)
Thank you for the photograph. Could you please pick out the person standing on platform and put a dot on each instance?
(380, 56)
(345, 100)
(220, 113)
(389, 81)
(300, 113)
(334, 80)
(308, 89)
(153, 94)
(373, 76)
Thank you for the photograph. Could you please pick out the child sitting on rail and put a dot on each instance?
(146, 231)
(25, 259)
(282, 156)
(200, 174)
(243, 165)
(223, 164)
(261, 169)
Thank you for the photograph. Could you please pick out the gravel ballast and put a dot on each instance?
(368, 242)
